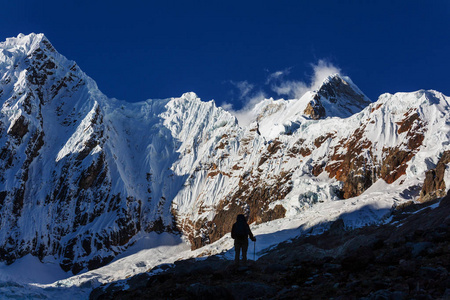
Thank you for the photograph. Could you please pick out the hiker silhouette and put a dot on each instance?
(240, 233)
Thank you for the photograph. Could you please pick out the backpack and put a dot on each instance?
(240, 231)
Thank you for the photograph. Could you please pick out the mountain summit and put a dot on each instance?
(339, 96)
(83, 177)
(26, 44)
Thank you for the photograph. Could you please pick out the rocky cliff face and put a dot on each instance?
(82, 175)
(434, 185)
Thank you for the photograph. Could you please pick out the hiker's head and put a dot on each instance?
(241, 218)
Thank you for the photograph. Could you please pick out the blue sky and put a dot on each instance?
(233, 51)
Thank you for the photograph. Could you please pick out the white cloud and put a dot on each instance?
(290, 88)
(278, 75)
(296, 89)
(245, 115)
(322, 70)
(244, 87)
(227, 106)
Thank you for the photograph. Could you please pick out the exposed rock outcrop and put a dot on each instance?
(434, 184)
(315, 109)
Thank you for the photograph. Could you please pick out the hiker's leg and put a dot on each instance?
(237, 249)
(244, 252)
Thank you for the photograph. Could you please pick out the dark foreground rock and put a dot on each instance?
(408, 258)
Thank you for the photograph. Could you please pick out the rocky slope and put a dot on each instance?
(408, 258)
(82, 175)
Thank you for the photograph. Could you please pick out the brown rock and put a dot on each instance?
(434, 184)
(315, 109)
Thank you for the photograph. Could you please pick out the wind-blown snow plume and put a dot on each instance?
(244, 88)
(278, 75)
(246, 115)
(296, 89)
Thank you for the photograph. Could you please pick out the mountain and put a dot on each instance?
(84, 176)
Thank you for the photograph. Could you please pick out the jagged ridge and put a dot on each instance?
(83, 174)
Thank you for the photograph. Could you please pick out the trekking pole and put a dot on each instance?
(254, 250)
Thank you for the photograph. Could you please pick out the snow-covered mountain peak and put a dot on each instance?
(335, 80)
(32, 53)
(189, 96)
(26, 43)
(338, 96)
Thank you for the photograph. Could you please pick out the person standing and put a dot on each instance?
(240, 233)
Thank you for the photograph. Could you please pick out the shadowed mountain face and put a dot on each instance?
(82, 174)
